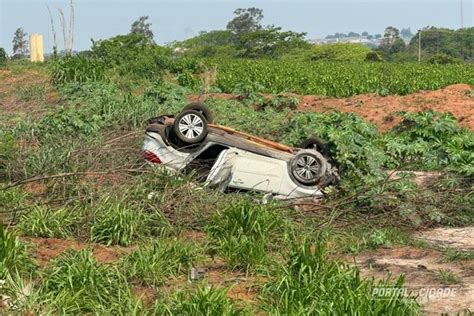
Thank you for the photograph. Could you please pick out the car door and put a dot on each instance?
(256, 172)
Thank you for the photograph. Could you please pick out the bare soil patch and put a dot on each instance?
(47, 249)
(12, 82)
(422, 267)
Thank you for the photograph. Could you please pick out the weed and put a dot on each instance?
(310, 282)
(14, 257)
(44, 222)
(451, 255)
(241, 235)
(447, 277)
(205, 300)
(116, 224)
(31, 93)
(75, 283)
(152, 264)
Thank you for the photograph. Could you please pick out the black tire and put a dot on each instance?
(200, 108)
(190, 126)
(307, 167)
(317, 143)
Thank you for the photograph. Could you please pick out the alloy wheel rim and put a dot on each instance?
(307, 168)
(191, 126)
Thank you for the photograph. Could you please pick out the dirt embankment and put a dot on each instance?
(456, 99)
(424, 269)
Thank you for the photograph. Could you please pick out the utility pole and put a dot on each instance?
(462, 15)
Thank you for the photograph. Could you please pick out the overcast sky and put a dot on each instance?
(180, 19)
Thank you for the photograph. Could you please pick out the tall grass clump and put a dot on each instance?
(44, 222)
(152, 264)
(244, 233)
(205, 300)
(14, 256)
(310, 283)
(75, 283)
(116, 224)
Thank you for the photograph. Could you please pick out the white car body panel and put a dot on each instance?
(236, 168)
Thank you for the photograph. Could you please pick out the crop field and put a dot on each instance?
(90, 228)
(338, 79)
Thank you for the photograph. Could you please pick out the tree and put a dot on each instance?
(365, 33)
(20, 43)
(246, 20)
(392, 42)
(141, 27)
(390, 35)
(269, 42)
(353, 34)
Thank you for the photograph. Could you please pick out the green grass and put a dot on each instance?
(153, 263)
(311, 283)
(75, 283)
(205, 300)
(14, 256)
(244, 233)
(116, 224)
(44, 222)
(453, 255)
(447, 277)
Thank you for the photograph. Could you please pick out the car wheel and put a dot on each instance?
(308, 167)
(190, 126)
(316, 143)
(200, 108)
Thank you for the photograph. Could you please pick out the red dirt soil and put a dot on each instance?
(456, 99)
(46, 249)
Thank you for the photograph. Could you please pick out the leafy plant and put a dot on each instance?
(337, 79)
(44, 222)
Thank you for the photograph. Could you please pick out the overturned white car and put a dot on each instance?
(231, 159)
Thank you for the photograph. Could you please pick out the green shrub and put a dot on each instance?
(77, 69)
(340, 52)
(44, 222)
(14, 257)
(3, 56)
(75, 283)
(443, 59)
(311, 283)
(205, 300)
(153, 264)
(116, 224)
(430, 140)
(373, 56)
